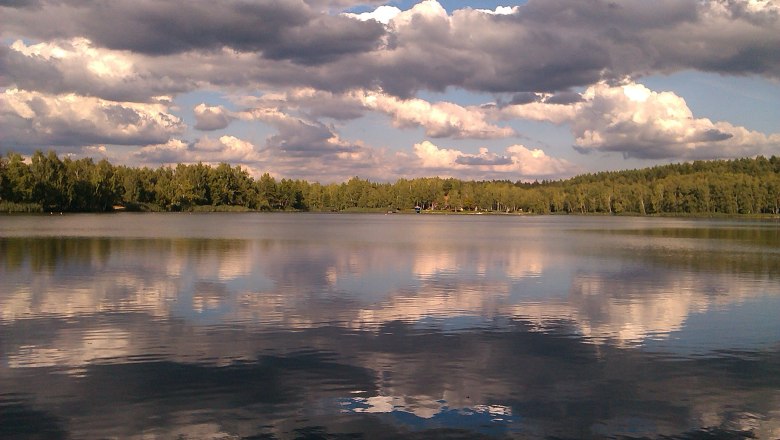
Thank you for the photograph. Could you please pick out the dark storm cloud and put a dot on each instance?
(546, 46)
(27, 72)
(169, 27)
(281, 30)
(713, 135)
(564, 98)
(325, 39)
(524, 98)
(554, 45)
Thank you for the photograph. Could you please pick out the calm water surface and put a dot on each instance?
(311, 326)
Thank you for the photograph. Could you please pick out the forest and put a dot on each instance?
(46, 183)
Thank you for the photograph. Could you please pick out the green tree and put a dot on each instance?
(49, 181)
(190, 185)
(107, 186)
(267, 192)
(227, 185)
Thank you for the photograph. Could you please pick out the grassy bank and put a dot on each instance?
(11, 207)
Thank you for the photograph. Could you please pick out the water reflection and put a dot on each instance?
(520, 382)
(437, 327)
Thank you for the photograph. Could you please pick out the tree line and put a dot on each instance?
(45, 183)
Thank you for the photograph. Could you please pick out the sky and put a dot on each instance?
(325, 90)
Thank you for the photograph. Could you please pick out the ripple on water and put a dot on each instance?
(440, 326)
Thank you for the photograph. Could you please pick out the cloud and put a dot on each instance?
(288, 30)
(171, 152)
(325, 39)
(302, 147)
(336, 163)
(484, 158)
(538, 110)
(229, 149)
(541, 46)
(524, 98)
(340, 4)
(84, 74)
(554, 45)
(518, 162)
(19, 3)
(299, 137)
(81, 66)
(501, 10)
(295, 115)
(637, 122)
(36, 119)
(441, 119)
(431, 156)
(209, 118)
(382, 14)
(310, 102)
(564, 98)
(78, 66)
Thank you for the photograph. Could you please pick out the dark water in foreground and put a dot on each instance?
(273, 326)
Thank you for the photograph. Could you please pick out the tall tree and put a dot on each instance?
(49, 180)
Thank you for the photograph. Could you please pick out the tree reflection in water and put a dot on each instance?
(449, 327)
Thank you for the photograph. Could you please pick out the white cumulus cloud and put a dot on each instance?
(440, 119)
(501, 10)
(33, 118)
(383, 14)
(226, 148)
(517, 162)
(638, 122)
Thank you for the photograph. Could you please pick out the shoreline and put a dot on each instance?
(242, 210)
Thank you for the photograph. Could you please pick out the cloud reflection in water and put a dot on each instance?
(491, 327)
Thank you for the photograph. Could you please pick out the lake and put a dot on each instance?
(340, 326)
